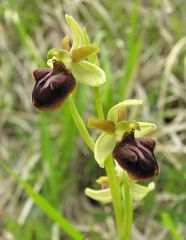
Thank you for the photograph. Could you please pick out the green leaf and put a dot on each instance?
(77, 33)
(103, 195)
(103, 147)
(170, 225)
(114, 111)
(88, 73)
(145, 129)
(45, 206)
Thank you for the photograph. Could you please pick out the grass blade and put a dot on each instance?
(45, 206)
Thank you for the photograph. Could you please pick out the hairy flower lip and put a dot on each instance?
(52, 86)
(136, 156)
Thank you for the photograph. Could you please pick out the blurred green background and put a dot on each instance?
(143, 52)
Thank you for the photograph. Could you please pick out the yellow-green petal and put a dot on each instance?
(87, 73)
(103, 147)
(93, 58)
(103, 195)
(77, 33)
(113, 112)
(65, 45)
(81, 53)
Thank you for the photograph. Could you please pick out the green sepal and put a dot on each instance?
(103, 147)
(113, 112)
(139, 191)
(77, 33)
(145, 129)
(103, 196)
(87, 73)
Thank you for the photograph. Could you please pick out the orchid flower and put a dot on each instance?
(68, 66)
(121, 138)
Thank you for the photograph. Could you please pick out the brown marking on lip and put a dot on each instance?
(136, 156)
(52, 87)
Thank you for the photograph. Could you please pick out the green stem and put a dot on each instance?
(97, 98)
(80, 124)
(110, 170)
(127, 198)
(115, 191)
(109, 165)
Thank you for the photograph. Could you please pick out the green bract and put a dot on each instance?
(74, 59)
(107, 141)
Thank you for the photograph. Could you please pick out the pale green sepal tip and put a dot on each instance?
(139, 191)
(88, 73)
(103, 147)
(113, 112)
(77, 33)
(103, 195)
(145, 129)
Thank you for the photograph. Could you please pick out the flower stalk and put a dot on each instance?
(128, 208)
(110, 170)
(80, 124)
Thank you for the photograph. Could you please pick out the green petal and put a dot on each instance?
(103, 147)
(139, 191)
(104, 125)
(77, 32)
(93, 58)
(83, 52)
(88, 73)
(103, 195)
(65, 45)
(113, 112)
(146, 128)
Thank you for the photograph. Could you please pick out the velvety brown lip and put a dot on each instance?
(136, 156)
(52, 87)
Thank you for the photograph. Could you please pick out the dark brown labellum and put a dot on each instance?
(52, 87)
(136, 156)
